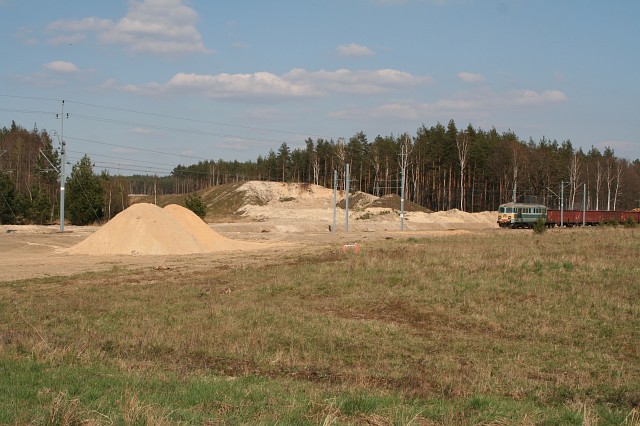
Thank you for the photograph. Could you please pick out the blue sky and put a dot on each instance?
(149, 84)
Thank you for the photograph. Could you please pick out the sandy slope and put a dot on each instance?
(278, 218)
(299, 208)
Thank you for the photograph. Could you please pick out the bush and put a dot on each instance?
(630, 223)
(194, 203)
(539, 226)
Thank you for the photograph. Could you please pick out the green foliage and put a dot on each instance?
(40, 210)
(116, 194)
(84, 194)
(433, 166)
(7, 200)
(630, 223)
(539, 226)
(194, 203)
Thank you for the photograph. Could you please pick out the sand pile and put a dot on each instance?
(146, 229)
(293, 207)
(261, 193)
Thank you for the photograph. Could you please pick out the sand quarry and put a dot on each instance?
(275, 220)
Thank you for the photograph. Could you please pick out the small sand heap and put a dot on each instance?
(146, 229)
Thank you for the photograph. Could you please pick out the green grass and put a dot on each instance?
(503, 328)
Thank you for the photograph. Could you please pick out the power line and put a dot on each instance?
(136, 149)
(29, 97)
(93, 155)
(25, 111)
(194, 120)
(150, 114)
(173, 129)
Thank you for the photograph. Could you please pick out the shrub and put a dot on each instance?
(630, 223)
(539, 226)
(194, 203)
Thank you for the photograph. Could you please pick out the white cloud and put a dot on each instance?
(39, 79)
(469, 77)
(25, 35)
(67, 39)
(530, 97)
(61, 67)
(358, 82)
(142, 131)
(80, 25)
(297, 83)
(477, 104)
(166, 27)
(354, 49)
(223, 86)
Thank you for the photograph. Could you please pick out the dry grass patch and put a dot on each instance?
(466, 328)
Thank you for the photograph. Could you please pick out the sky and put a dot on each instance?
(149, 84)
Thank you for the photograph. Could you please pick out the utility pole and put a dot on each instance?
(403, 162)
(64, 160)
(561, 204)
(346, 191)
(584, 203)
(335, 198)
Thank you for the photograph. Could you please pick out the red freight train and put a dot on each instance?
(591, 217)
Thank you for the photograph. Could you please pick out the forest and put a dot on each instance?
(444, 167)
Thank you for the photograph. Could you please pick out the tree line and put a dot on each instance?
(445, 167)
(30, 170)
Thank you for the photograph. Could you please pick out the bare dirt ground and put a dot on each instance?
(281, 220)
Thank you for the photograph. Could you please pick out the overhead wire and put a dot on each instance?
(133, 148)
(150, 126)
(173, 129)
(194, 120)
(120, 158)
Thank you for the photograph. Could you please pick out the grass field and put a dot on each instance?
(497, 328)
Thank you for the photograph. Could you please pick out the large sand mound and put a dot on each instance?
(262, 193)
(146, 229)
(290, 207)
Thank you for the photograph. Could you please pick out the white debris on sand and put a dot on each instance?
(298, 208)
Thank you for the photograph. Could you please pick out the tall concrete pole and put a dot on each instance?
(62, 168)
(346, 191)
(335, 198)
(584, 203)
(561, 204)
(402, 174)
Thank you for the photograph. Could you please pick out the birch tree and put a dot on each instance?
(575, 169)
(462, 142)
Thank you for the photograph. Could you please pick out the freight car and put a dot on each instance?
(524, 215)
(591, 217)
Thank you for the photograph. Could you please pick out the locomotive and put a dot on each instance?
(524, 215)
(520, 215)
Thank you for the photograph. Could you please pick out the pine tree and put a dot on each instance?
(85, 194)
(7, 199)
(194, 203)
